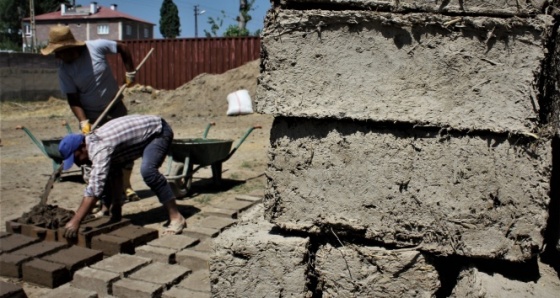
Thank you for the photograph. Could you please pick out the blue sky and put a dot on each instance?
(148, 10)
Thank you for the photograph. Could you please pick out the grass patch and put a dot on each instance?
(203, 200)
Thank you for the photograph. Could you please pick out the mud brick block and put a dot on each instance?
(158, 254)
(4, 234)
(122, 264)
(249, 198)
(75, 257)
(68, 291)
(13, 227)
(99, 281)
(10, 290)
(234, 204)
(200, 232)
(220, 212)
(193, 259)
(163, 274)
(175, 242)
(92, 228)
(45, 273)
(15, 241)
(204, 246)
(40, 249)
(111, 245)
(33, 231)
(10, 264)
(136, 288)
(198, 281)
(180, 293)
(214, 222)
(139, 235)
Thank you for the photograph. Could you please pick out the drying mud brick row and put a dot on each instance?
(483, 73)
(389, 274)
(123, 240)
(10, 264)
(45, 273)
(14, 242)
(92, 228)
(472, 195)
(31, 230)
(75, 257)
(491, 7)
(250, 262)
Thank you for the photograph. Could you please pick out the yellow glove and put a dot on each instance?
(85, 127)
(129, 79)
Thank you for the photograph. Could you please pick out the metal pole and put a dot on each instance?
(33, 37)
(196, 21)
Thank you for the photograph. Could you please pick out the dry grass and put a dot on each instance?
(19, 110)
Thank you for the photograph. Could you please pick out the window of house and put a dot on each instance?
(102, 29)
(146, 33)
(128, 30)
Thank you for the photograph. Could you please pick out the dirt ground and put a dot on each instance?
(25, 169)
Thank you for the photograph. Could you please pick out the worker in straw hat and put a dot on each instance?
(87, 80)
(106, 149)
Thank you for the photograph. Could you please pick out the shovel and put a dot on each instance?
(50, 183)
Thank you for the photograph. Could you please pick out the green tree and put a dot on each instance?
(245, 7)
(215, 25)
(169, 23)
(12, 13)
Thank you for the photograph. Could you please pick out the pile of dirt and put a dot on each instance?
(46, 216)
(205, 95)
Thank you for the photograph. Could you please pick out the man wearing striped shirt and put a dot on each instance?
(108, 149)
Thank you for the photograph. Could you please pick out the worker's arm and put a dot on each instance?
(71, 228)
(76, 106)
(126, 56)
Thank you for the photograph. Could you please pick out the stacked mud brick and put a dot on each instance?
(413, 142)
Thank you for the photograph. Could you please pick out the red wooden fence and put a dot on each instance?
(174, 62)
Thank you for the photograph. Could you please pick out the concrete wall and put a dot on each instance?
(28, 77)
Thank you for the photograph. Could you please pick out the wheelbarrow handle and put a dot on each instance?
(32, 137)
(205, 134)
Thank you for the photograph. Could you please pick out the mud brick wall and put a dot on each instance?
(413, 140)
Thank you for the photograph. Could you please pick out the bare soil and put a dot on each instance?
(25, 170)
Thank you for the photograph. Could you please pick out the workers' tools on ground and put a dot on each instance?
(121, 90)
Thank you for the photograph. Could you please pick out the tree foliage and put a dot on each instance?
(12, 13)
(245, 7)
(169, 23)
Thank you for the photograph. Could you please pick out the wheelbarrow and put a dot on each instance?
(186, 153)
(49, 147)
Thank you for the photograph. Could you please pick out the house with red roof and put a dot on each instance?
(87, 23)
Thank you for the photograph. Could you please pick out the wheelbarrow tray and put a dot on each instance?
(203, 152)
(51, 149)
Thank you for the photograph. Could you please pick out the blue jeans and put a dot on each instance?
(152, 159)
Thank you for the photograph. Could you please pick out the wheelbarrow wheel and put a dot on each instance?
(181, 186)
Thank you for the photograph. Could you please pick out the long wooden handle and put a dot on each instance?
(121, 90)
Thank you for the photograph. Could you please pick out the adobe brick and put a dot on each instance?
(75, 257)
(220, 212)
(92, 228)
(130, 288)
(249, 198)
(200, 232)
(122, 264)
(10, 264)
(45, 273)
(159, 254)
(139, 235)
(193, 259)
(15, 241)
(181, 293)
(68, 291)
(233, 204)
(160, 273)
(214, 222)
(198, 281)
(99, 281)
(4, 234)
(40, 249)
(111, 245)
(10, 290)
(175, 242)
(204, 245)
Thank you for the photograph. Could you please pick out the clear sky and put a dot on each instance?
(148, 10)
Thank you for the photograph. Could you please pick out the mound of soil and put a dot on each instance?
(46, 216)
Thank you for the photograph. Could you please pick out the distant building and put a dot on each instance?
(87, 22)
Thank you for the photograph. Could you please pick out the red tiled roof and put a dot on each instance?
(102, 13)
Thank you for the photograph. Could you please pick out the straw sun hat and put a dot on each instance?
(60, 37)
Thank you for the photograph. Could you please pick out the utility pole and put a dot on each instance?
(33, 31)
(196, 14)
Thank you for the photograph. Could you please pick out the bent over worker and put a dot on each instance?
(107, 149)
(87, 80)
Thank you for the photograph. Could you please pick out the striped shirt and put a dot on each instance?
(118, 141)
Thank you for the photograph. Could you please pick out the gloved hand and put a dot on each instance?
(85, 127)
(130, 76)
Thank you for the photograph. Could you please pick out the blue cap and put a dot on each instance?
(68, 145)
